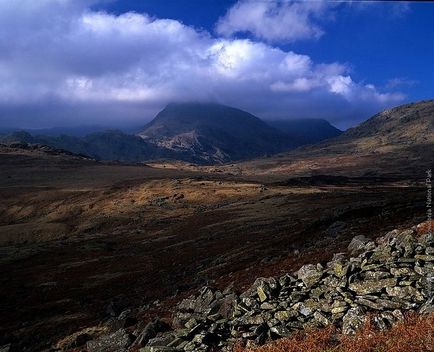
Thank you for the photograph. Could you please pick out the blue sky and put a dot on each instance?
(117, 63)
(385, 41)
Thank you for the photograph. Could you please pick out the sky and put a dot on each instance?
(118, 62)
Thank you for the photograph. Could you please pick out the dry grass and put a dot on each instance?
(414, 334)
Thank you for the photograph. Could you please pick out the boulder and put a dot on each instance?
(357, 245)
(309, 274)
(353, 320)
(372, 286)
(115, 342)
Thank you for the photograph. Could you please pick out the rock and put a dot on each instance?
(227, 304)
(265, 288)
(267, 306)
(427, 307)
(280, 330)
(352, 321)
(203, 302)
(116, 342)
(376, 275)
(368, 303)
(309, 274)
(157, 349)
(405, 292)
(340, 269)
(424, 270)
(372, 286)
(150, 331)
(321, 319)
(402, 272)
(384, 281)
(5, 348)
(302, 309)
(286, 280)
(425, 258)
(337, 310)
(357, 245)
(284, 315)
(382, 255)
(161, 341)
(398, 315)
(379, 323)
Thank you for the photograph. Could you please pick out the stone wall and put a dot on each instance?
(385, 279)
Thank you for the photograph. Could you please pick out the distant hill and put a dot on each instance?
(405, 125)
(398, 141)
(201, 133)
(107, 145)
(307, 131)
(214, 133)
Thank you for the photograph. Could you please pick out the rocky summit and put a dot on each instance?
(381, 281)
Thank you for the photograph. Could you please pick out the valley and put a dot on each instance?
(75, 234)
(81, 241)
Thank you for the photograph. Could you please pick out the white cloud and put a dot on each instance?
(58, 58)
(275, 20)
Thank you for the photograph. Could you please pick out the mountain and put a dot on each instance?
(107, 145)
(406, 125)
(214, 133)
(307, 130)
(394, 142)
(202, 133)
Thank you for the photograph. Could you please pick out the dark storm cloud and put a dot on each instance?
(62, 63)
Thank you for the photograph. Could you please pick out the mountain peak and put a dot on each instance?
(213, 132)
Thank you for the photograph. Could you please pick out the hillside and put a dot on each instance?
(172, 230)
(375, 284)
(396, 142)
(214, 133)
(107, 145)
(308, 131)
(406, 124)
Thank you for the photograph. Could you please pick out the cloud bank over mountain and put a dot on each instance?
(62, 63)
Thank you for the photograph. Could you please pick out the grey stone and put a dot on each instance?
(321, 319)
(424, 257)
(353, 320)
(388, 279)
(5, 348)
(116, 342)
(280, 330)
(158, 349)
(357, 244)
(309, 274)
(405, 292)
(427, 307)
(284, 315)
(265, 288)
(372, 286)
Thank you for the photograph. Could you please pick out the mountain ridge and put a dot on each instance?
(201, 133)
(214, 132)
(396, 141)
(309, 131)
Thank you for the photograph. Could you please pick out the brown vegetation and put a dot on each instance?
(128, 226)
(414, 334)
